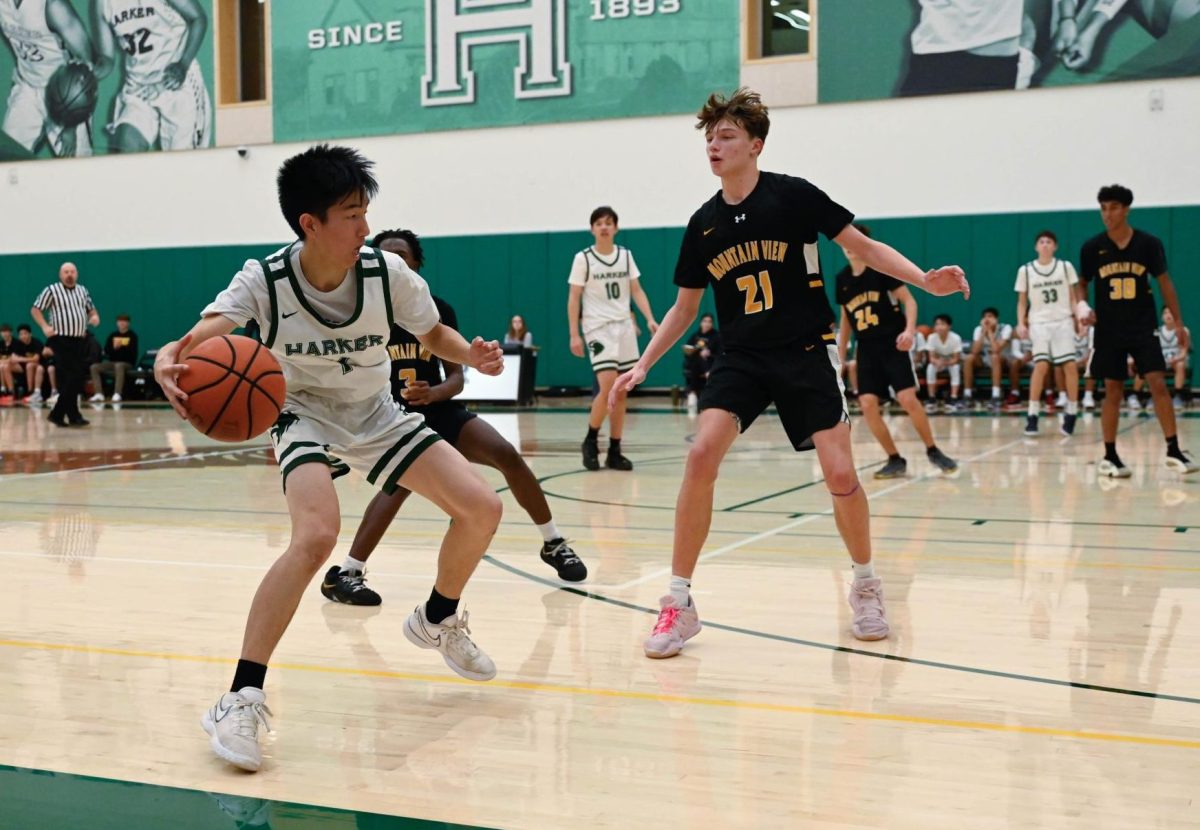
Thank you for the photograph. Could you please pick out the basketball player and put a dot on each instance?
(44, 35)
(603, 278)
(991, 350)
(326, 305)
(1047, 292)
(419, 385)
(885, 337)
(1174, 356)
(1083, 21)
(756, 241)
(945, 349)
(1120, 262)
(163, 98)
(964, 46)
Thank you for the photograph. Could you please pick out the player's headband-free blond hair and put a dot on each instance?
(744, 108)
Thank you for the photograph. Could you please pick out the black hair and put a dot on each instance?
(602, 211)
(707, 314)
(1115, 193)
(949, 320)
(413, 241)
(319, 178)
(24, 327)
(1048, 234)
(5, 327)
(863, 229)
(995, 312)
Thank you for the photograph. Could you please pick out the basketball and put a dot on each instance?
(71, 94)
(235, 388)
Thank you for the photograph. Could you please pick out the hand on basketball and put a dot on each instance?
(904, 341)
(167, 370)
(487, 356)
(949, 279)
(173, 76)
(576, 345)
(624, 385)
(417, 393)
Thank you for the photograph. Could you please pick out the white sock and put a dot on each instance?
(352, 564)
(995, 391)
(680, 591)
(866, 571)
(967, 394)
(1035, 407)
(549, 531)
(1072, 407)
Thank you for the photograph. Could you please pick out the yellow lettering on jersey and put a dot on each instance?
(860, 299)
(1122, 268)
(745, 252)
(409, 351)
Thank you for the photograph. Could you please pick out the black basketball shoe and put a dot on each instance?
(615, 461)
(591, 455)
(348, 587)
(894, 468)
(558, 555)
(940, 460)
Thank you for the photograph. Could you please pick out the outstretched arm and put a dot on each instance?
(448, 344)
(673, 326)
(948, 279)
(64, 22)
(197, 24)
(106, 47)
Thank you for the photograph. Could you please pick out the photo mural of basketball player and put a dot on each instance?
(96, 76)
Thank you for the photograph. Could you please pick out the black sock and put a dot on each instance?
(895, 457)
(931, 449)
(614, 446)
(593, 434)
(248, 673)
(1173, 445)
(1110, 452)
(439, 607)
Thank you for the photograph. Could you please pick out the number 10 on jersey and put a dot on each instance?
(751, 286)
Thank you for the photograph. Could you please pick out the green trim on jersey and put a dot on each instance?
(387, 287)
(393, 481)
(303, 300)
(268, 275)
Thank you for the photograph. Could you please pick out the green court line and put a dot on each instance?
(47, 800)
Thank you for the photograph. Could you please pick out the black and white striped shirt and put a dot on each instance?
(68, 308)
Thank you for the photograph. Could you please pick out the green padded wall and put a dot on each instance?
(489, 278)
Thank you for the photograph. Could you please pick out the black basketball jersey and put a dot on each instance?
(761, 258)
(410, 360)
(1124, 301)
(873, 313)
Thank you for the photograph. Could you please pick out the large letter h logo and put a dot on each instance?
(453, 27)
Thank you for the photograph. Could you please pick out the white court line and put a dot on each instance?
(811, 517)
(237, 566)
(166, 459)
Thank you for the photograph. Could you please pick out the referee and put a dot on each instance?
(71, 312)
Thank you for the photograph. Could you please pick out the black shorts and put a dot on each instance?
(958, 72)
(1109, 359)
(802, 381)
(882, 365)
(446, 418)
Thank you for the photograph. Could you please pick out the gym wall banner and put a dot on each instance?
(86, 77)
(872, 49)
(373, 67)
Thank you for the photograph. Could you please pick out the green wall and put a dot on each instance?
(489, 278)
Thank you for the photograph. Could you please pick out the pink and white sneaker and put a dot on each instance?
(675, 626)
(866, 600)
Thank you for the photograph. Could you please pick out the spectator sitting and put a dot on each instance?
(120, 356)
(27, 362)
(517, 334)
(6, 364)
(699, 353)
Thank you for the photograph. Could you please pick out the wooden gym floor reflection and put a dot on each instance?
(1041, 673)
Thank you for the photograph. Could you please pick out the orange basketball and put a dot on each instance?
(235, 388)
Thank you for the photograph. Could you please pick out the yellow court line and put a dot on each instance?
(583, 691)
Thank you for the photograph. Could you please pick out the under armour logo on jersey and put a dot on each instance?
(741, 218)
(347, 366)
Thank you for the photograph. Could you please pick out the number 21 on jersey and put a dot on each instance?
(750, 286)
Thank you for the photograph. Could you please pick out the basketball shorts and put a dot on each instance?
(27, 122)
(613, 346)
(375, 438)
(1053, 342)
(804, 383)
(1109, 360)
(446, 418)
(179, 119)
(882, 366)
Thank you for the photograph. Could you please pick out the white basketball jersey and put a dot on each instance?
(1169, 341)
(605, 282)
(1083, 342)
(949, 347)
(959, 25)
(150, 33)
(38, 50)
(347, 361)
(1049, 290)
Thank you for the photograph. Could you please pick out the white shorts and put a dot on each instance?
(178, 119)
(376, 438)
(613, 346)
(1053, 342)
(27, 122)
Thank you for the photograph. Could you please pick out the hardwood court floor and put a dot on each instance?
(1042, 672)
